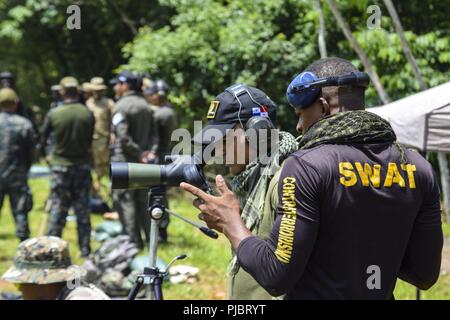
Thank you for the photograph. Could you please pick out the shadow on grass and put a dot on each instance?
(7, 236)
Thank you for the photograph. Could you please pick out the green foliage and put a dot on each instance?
(37, 46)
(210, 45)
(202, 46)
(210, 256)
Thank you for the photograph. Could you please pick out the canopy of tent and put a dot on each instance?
(421, 120)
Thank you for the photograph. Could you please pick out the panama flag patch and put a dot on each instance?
(256, 111)
(262, 111)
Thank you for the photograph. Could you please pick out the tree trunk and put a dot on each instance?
(409, 56)
(360, 52)
(322, 45)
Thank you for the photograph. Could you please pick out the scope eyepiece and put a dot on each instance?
(118, 173)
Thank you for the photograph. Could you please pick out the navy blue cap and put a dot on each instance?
(124, 76)
(225, 111)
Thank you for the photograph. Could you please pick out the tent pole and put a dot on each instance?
(445, 181)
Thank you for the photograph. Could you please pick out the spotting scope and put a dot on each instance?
(178, 168)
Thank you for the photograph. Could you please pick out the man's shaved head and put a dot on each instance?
(345, 97)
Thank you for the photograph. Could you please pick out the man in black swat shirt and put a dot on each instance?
(356, 211)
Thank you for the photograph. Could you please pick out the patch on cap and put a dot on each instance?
(213, 107)
(262, 111)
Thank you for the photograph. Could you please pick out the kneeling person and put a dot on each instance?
(43, 271)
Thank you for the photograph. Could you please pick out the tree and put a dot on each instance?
(37, 46)
(210, 45)
(362, 55)
(404, 42)
(321, 39)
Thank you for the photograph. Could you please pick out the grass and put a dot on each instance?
(210, 256)
(446, 229)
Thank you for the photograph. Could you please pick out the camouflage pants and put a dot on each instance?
(132, 208)
(70, 186)
(21, 201)
(100, 154)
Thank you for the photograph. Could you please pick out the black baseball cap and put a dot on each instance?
(125, 76)
(159, 86)
(237, 104)
(6, 75)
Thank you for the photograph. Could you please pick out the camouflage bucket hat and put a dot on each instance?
(69, 82)
(86, 87)
(43, 260)
(97, 83)
(7, 95)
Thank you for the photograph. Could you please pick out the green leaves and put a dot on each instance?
(210, 45)
(213, 44)
(202, 46)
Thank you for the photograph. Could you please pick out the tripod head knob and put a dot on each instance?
(156, 212)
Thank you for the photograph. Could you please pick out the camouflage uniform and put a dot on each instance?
(102, 109)
(166, 122)
(46, 260)
(16, 155)
(135, 133)
(70, 186)
(73, 126)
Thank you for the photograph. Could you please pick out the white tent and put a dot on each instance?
(422, 121)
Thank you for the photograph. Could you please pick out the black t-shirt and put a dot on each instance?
(351, 219)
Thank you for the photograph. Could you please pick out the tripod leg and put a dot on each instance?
(153, 249)
(135, 289)
(158, 288)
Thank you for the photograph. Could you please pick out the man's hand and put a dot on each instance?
(147, 157)
(112, 139)
(220, 213)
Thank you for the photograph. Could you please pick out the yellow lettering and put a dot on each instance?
(282, 256)
(367, 173)
(348, 178)
(285, 243)
(289, 180)
(410, 169)
(393, 176)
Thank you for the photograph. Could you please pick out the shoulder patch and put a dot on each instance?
(213, 107)
(118, 118)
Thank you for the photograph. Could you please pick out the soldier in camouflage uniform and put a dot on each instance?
(7, 80)
(73, 127)
(43, 271)
(166, 122)
(102, 108)
(135, 140)
(16, 157)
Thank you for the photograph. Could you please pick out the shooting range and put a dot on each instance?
(101, 105)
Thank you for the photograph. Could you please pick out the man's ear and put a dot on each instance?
(325, 106)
